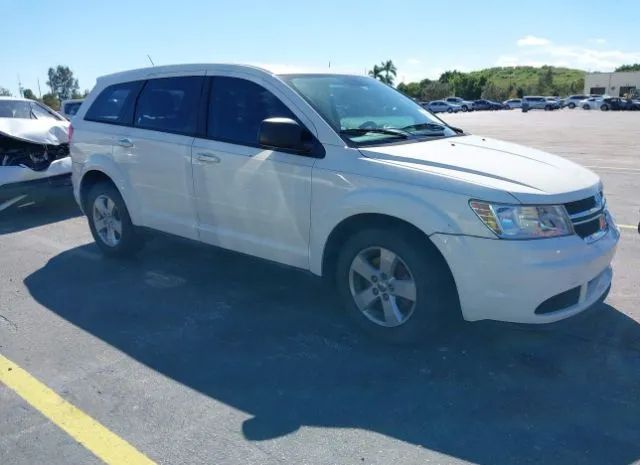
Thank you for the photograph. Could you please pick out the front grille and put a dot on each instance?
(580, 205)
(587, 215)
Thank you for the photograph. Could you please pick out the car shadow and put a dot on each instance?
(33, 212)
(273, 342)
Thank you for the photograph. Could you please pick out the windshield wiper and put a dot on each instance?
(419, 126)
(397, 132)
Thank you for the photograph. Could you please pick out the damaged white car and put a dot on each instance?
(34, 150)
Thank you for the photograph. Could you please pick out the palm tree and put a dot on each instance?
(389, 70)
(376, 72)
(385, 72)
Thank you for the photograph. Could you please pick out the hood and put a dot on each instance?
(38, 131)
(530, 175)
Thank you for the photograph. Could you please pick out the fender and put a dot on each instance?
(106, 165)
(401, 205)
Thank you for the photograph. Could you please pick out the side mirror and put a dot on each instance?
(282, 133)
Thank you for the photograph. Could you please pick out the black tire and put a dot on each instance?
(465, 108)
(586, 107)
(436, 307)
(130, 241)
(524, 110)
(547, 108)
(604, 107)
(449, 110)
(571, 105)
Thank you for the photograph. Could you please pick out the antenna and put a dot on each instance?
(149, 57)
(39, 91)
(20, 92)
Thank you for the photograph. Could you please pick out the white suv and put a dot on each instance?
(412, 219)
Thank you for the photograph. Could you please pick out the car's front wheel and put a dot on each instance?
(571, 105)
(604, 107)
(465, 108)
(110, 222)
(449, 110)
(394, 287)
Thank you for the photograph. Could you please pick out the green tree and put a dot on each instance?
(62, 83)
(412, 89)
(633, 67)
(435, 90)
(545, 80)
(28, 93)
(51, 100)
(385, 72)
(4, 92)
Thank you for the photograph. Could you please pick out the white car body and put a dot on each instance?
(465, 105)
(17, 180)
(440, 106)
(283, 207)
(592, 103)
(573, 101)
(513, 103)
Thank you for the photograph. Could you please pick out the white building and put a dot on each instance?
(614, 84)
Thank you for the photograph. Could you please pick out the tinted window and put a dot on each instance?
(169, 104)
(115, 103)
(15, 109)
(72, 108)
(237, 107)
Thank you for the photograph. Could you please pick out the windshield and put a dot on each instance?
(364, 111)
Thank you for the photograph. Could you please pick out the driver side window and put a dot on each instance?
(237, 107)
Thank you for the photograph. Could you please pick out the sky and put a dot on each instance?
(422, 37)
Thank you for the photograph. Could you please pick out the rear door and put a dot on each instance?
(156, 152)
(249, 198)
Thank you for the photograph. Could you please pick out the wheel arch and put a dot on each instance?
(358, 222)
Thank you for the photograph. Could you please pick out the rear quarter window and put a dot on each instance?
(115, 104)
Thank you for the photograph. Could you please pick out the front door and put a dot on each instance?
(248, 198)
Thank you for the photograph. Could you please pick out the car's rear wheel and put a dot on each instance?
(585, 107)
(395, 288)
(449, 110)
(110, 222)
(604, 107)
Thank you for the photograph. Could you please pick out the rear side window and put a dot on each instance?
(170, 104)
(115, 104)
(72, 108)
(237, 107)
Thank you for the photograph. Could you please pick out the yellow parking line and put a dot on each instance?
(627, 226)
(104, 444)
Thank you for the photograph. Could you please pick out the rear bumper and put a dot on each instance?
(510, 280)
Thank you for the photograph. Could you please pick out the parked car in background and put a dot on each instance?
(619, 104)
(465, 105)
(440, 106)
(536, 102)
(573, 101)
(513, 103)
(483, 104)
(415, 222)
(34, 150)
(68, 108)
(592, 103)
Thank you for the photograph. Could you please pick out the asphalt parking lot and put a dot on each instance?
(194, 355)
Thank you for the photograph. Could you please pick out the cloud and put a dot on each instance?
(413, 61)
(597, 41)
(535, 51)
(532, 41)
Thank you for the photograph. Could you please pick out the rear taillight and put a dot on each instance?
(70, 132)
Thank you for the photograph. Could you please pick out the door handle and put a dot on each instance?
(207, 157)
(125, 142)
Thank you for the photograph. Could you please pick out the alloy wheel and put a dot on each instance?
(107, 220)
(382, 286)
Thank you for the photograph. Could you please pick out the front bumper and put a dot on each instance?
(508, 280)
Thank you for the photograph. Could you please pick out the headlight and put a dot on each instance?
(523, 221)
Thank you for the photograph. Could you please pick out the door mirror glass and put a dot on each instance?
(282, 133)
